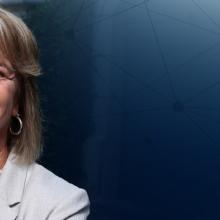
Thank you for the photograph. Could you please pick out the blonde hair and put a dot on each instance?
(19, 46)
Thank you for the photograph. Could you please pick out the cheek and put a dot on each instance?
(7, 93)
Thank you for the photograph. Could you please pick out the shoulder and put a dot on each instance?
(45, 180)
(56, 196)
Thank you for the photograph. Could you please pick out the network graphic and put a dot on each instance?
(154, 56)
(153, 68)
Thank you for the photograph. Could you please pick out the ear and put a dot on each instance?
(15, 110)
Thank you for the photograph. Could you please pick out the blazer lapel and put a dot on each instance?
(6, 212)
(12, 185)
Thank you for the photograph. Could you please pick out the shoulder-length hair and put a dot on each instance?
(19, 46)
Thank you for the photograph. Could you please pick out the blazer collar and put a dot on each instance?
(12, 185)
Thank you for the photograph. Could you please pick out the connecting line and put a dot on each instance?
(192, 58)
(90, 4)
(206, 14)
(185, 22)
(100, 14)
(201, 92)
(129, 2)
(161, 51)
(201, 129)
(122, 113)
(79, 13)
(216, 83)
(201, 53)
(129, 75)
(109, 17)
(100, 75)
(142, 83)
(207, 108)
(203, 116)
(133, 77)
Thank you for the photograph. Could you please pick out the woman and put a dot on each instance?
(28, 191)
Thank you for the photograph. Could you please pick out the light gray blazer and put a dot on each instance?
(34, 193)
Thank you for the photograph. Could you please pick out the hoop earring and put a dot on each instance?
(17, 124)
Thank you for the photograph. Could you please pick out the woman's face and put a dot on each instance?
(8, 105)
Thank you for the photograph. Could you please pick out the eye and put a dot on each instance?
(2, 74)
(5, 73)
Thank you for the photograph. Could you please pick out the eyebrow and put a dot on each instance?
(4, 65)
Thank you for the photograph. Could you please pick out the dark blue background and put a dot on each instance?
(131, 97)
